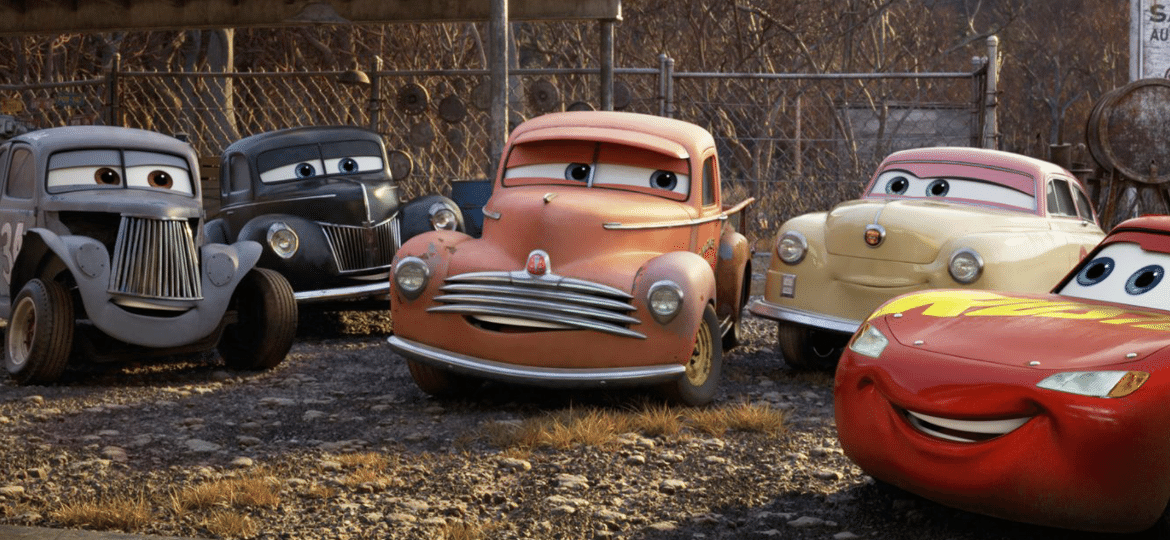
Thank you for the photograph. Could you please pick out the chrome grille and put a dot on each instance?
(362, 248)
(156, 258)
(550, 302)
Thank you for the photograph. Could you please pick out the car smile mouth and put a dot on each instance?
(966, 431)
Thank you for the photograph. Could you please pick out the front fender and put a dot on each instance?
(313, 258)
(416, 215)
(88, 262)
(435, 249)
(693, 274)
(732, 270)
(1012, 261)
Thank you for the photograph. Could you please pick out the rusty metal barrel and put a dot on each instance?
(1129, 131)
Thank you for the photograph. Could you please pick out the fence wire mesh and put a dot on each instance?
(797, 144)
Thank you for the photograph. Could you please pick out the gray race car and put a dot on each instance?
(103, 257)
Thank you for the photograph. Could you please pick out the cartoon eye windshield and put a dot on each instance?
(1123, 273)
(105, 169)
(901, 183)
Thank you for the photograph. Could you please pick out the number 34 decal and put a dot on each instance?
(11, 240)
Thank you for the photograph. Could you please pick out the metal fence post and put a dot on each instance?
(375, 100)
(607, 65)
(991, 125)
(669, 88)
(113, 112)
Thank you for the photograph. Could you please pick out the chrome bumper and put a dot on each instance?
(768, 310)
(556, 377)
(345, 293)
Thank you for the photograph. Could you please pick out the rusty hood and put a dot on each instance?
(1059, 332)
(570, 225)
(914, 230)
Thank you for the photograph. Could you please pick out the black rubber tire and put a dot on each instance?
(734, 335)
(809, 349)
(266, 322)
(440, 382)
(700, 384)
(40, 333)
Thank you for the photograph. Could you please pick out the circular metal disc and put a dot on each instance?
(580, 106)
(421, 133)
(452, 109)
(412, 98)
(621, 95)
(457, 137)
(1129, 130)
(543, 96)
(400, 164)
(481, 96)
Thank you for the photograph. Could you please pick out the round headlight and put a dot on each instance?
(792, 247)
(966, 265)
(411, 275)
(442, 218)
(665, 300)
(283, 240)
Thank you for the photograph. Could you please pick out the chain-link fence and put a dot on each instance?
(797, 143)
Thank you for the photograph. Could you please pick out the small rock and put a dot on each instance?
(514, 464)
(330, 466)
(663, 526)
(415, 506)
(845, 535)
(402, 518)
(636, 459)
(40, 473)
(34, 400)
(277, 402)
(11, 491)
(827, 475)
(717, 460)
(672, 486)
(108, 433)
(572, 481)
(200, 445)
(311, 415)
(114, 453)
(806, 522)
(242, 462)
(246, 441)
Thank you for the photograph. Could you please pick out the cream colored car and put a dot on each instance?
(929, 218)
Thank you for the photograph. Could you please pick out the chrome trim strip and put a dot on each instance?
(290, 199)
(491, 215)
(545, 376)
(768, 310)
(543, 294)
(343, 293)
(684, 222)
(576, 322)
(542, 305)
(551, 281)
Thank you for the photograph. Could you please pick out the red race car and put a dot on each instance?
(1042, 408)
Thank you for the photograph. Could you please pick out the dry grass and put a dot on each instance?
(369, 460)
(318, 491)
(751, 417)
(242, 492)
(599, 427)
(118, 512)
(230, 524)
(470, 531)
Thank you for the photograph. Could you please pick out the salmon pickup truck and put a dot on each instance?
(607, 258)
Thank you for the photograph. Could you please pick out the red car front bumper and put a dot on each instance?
(1079, 462)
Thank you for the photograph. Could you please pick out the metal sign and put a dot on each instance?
(1149, 39)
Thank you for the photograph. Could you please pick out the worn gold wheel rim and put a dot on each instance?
(22, 328)
(699, 368)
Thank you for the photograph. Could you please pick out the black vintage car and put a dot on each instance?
(102, 258)
(325, 206)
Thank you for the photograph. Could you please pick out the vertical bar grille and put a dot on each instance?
(157, 259)
(362, 248)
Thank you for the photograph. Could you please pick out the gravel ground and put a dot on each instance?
(157, 430)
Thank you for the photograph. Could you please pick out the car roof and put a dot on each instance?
(980, 156)
(300, 135)
(73, 137)
(664, 135)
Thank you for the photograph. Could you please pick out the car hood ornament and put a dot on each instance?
(874, 235)
(538, 263)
